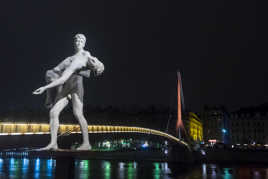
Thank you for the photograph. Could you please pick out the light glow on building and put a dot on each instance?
(194, 127)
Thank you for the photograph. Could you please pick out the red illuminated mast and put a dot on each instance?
(179, 125)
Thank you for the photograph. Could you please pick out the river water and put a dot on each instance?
(27, 168)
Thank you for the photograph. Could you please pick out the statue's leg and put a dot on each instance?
(49, 100)
(54, 122)
(78, 113)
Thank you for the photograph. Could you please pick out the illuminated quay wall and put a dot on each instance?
(36, 128)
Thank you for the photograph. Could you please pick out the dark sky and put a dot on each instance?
(142, 44)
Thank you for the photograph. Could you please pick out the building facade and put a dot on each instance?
(193, 127)
(216, 124)
(249, 128)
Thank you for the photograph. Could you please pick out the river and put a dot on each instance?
(30, 168)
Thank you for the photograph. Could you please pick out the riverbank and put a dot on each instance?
(88, 155)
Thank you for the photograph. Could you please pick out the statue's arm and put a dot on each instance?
(62, 79)
(95, 64)
(62, 65)
(85, 73)
(65, 63)
(65, 76)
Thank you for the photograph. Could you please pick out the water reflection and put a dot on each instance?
(234, 171)
(131, 170)
(37, 168)
(26, 168)
(83, 169)
(121, 170)
(106, 166)
(50, 164)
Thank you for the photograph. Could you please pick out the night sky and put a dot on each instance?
(142, 44)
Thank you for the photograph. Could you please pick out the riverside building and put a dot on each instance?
(249, 128)
(216, 124)
(194, 127)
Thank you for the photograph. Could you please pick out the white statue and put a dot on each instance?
(66, 80)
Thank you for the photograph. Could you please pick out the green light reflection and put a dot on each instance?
(226, 173)
(85, 165)
(107, 170)
(14, 168)
(130, 171)
(156, 171)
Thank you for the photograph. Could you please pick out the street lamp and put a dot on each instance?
(224, 131)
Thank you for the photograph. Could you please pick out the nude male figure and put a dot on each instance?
(67, 80)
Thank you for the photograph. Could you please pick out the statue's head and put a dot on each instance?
(79, 41)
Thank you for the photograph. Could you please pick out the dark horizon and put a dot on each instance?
(214, 44)
(134, 109)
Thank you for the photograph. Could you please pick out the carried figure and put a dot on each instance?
(65, 83)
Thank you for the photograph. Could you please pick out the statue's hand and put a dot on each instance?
(99, 71)
(97, 66)
(39, 90)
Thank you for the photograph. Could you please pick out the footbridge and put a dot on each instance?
(164, 146)
(43, 128)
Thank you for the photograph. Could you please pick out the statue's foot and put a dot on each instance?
(84, 147)
(49, 147)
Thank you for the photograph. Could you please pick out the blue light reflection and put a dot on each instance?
(25, 167)
(37, 168)
(50, 167)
